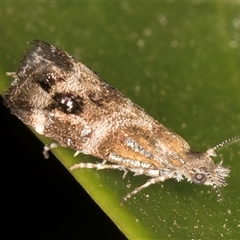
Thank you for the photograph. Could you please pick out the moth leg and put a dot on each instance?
(125, 173)
(76, 153)
(104, 161)
(49, 147)
(98, 166)
(145, 185)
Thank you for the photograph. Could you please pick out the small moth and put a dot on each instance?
(63, 99)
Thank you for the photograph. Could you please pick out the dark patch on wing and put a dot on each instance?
(46, 80)
(69, 103)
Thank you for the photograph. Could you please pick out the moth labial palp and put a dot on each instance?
(63, 99)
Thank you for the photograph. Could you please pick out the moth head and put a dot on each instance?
(202, 170)
(210, 174)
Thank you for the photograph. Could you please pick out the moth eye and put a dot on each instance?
(199, 178)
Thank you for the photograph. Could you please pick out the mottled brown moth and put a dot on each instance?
(63, 99)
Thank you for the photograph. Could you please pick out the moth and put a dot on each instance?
(66, 101)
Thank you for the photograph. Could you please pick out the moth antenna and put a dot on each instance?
(223, 144)
(218, 193)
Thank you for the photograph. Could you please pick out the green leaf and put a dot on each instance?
(180, 62)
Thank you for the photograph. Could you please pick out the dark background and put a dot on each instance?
(40, 199)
